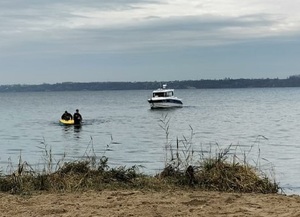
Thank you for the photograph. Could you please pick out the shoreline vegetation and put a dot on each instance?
(92, 173)
(220, 170)
(291, 81)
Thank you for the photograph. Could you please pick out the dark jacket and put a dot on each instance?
(77, 118)
(66, 116)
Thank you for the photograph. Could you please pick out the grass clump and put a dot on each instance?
(72, 176)
(224, 176)
(219, 171)
(220, 176)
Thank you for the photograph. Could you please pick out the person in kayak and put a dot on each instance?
(77, 117)
(66, 116)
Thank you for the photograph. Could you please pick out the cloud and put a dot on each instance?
(81, 26)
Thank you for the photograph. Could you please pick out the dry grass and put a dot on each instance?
(221, 176)
(213, 174)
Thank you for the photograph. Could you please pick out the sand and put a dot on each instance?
(139, 203)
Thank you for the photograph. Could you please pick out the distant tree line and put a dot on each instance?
(292, 81)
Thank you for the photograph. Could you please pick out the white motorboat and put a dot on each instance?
(164, 98)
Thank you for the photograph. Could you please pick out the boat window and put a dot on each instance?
(158, 95)
(169, 94)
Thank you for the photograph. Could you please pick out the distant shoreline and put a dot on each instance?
(292, 81)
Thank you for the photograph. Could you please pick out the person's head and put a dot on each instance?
(66, 111)
(77, 110)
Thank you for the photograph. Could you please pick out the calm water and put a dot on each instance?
(262, 124)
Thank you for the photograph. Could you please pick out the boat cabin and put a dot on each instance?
(163, 93)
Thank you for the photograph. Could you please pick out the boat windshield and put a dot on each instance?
(170, 93)
(163, 94)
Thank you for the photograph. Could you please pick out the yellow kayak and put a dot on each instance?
(66, 122)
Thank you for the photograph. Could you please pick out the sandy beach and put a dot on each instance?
(147, 203)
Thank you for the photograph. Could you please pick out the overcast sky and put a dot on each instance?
(53, 41)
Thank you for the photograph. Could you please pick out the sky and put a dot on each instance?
(54, 41)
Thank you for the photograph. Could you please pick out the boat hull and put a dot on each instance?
(165, 103)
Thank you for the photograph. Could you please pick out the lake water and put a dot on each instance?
(261, 124)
